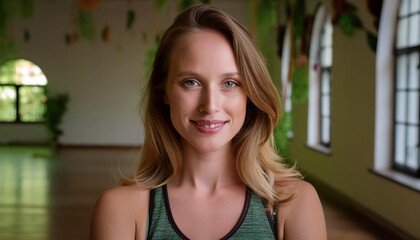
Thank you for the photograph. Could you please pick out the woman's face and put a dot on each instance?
(204, 91)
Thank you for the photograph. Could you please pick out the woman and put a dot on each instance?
(208, 169)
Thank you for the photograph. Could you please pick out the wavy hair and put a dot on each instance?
(258, 164)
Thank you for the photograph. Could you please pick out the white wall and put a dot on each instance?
(103, 79)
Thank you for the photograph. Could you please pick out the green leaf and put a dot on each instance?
(300, 84)
(8, 49)
(27, 8)
(56, 106)
(372, 40)
(281, 140)
(348, 22)
(160, 4)
(5, 16)
(86, 25)
(299, 19)
(131, 18)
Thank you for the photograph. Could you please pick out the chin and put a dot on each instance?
(211, 147)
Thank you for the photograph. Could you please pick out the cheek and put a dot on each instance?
(238, 107)
(180, 105)
(181, 102)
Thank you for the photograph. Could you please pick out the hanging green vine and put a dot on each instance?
(86, 24)
(347, 19)
(266, 21)
(131, 18)
(160, 5)
(9, 10)
(300, 31)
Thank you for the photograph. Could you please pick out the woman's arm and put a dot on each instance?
(120, 213)
(303, 217)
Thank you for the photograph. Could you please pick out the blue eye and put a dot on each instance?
(190, 83)
(230, 84)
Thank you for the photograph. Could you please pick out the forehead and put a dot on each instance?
(199, 45)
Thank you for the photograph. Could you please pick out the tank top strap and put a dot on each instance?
(259, 222)
(255, 221)
(159, 226)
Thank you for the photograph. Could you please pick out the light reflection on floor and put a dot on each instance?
(24, 189)
(50, 195)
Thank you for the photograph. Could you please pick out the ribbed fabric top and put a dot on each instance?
(254, 223)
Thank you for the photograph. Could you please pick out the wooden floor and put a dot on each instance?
(46, 195)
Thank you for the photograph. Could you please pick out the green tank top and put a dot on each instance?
(254, 223)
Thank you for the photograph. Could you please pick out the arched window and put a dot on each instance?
(407, 86)
(397, 91)
(22, 92)
(320, 62)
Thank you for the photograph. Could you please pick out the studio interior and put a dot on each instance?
(72, 75)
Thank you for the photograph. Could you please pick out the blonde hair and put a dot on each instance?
(258, 164)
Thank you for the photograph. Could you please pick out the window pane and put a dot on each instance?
(404, 7)
(413, 107)
(402, 38)
(412, 147)
(325, 135)
(400, 111)
(28, 73)
(400, 144)
(7, 104)
(325, 105)
(402, 72)
(414, 6)
(326, 57)
(31, 104)
(21, 72)
(414, 78)
(7, 72)
(327, 33)
(325, 87)
(412, 161)
(412, 137)
(414, 30)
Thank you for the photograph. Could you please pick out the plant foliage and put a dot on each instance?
(56, 106)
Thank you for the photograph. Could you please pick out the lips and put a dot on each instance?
(209, 126)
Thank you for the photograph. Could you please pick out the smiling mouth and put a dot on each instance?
(213, 125)
(209, 124)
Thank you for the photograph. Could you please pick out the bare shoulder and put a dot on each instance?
(302, 217)
(302, 190)
(120, 213)
(123, 194)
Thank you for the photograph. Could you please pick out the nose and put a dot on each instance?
(210, 101)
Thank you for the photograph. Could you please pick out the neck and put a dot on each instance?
(208, 171)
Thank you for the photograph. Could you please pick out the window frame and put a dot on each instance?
(314, 138)
(399, 52)
(384, 96)
(17, 105)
